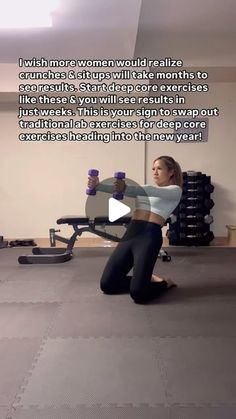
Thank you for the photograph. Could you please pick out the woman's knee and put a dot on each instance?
(138, 295)
(106, 288)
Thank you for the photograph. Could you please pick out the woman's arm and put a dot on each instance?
(101, 187)
(166, 192)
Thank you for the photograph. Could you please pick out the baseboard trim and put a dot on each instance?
(99, 242)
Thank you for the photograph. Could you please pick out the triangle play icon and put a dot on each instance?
(117, 210)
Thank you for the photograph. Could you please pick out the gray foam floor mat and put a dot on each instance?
(132, 370)
(16, 359)
(116, 412)
(26, 320)
(69, 351)
(104, 319)
(94, 412)
(95, 370)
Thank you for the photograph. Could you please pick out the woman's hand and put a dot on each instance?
(120, 185)
(93, 181)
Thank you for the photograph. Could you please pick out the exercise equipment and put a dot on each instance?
(190, 221)
(192, 195)
(92, 173)
(209, 203)
(80, 225)
(95, 173)
(185, 224)
(118, 195)
(186, 206)
(22, 243)
(198, 188)
(197, 238)
(196, 203)
(191, 174)
(207, 219)
(172, 219)
(208, 235)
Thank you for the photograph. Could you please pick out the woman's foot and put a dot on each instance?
(156, 278)
(169, 281)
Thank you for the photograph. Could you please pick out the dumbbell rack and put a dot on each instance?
(190, 222)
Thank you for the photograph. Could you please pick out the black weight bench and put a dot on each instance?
(41, 255)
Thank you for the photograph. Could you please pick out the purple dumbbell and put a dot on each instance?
(92, 173)
(119, 195)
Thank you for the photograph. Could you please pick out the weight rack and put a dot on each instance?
(190, 222)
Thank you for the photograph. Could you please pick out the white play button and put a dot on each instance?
(117, 210)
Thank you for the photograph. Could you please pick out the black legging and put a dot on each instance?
(139, 248)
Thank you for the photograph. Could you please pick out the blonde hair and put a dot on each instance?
(171, 164)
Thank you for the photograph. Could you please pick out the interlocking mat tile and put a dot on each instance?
(95, 412)
(3, 412)
(200, 318)
(101, 315)
(19, 320)
(16, 358)
(199, 370)
(223, 412)
(95, 370)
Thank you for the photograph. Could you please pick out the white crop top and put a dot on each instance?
(161, 200)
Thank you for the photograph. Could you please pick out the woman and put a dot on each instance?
(140, 246)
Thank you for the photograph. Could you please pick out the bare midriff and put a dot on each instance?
(148, 216)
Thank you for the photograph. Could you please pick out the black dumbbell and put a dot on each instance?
(199, 224)
(191, 173)
(196, 216)
(188, 182)
(208, 219)
(209, 188)
(193, 191)
(209, 203)
(198, 186)
(206, 236)
(190, 236)
(194, 211)
(172, 219)
(186, 206)
(192, 198)
(196, 189)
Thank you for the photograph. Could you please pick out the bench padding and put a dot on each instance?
(80, 220)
